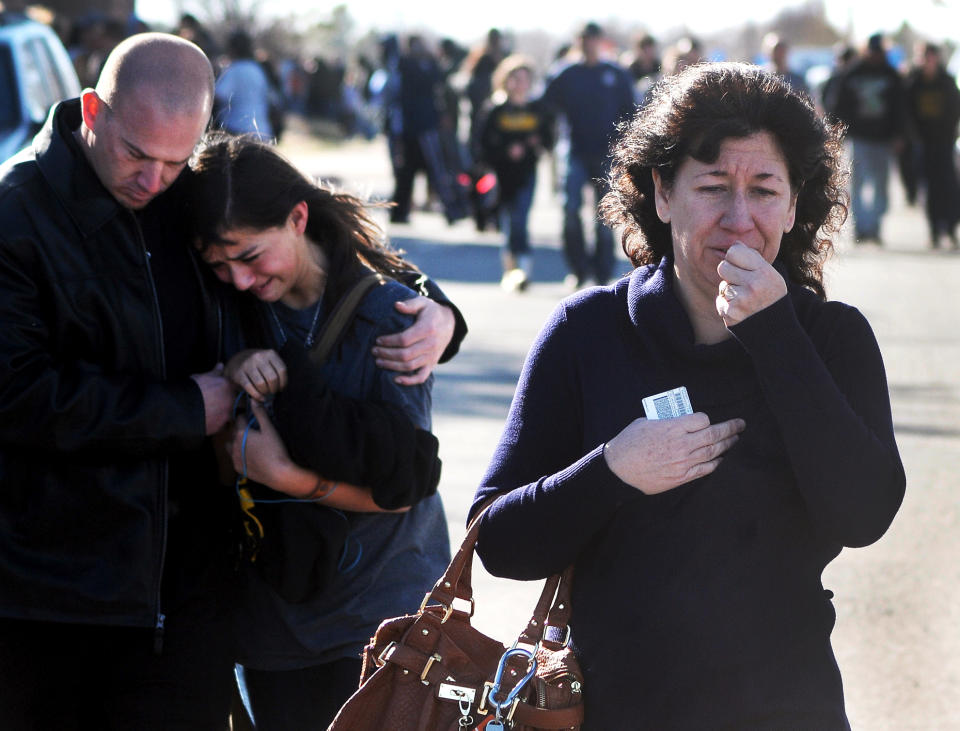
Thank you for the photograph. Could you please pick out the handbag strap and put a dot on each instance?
(562, 608)
(552, 609)
(455, 583)
(342, 316)
(551, 617)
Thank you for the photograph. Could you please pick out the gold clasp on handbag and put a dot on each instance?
(384, 656)
(447, 610)
(435, 657)
(482, 706)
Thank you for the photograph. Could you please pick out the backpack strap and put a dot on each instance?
(341, 317)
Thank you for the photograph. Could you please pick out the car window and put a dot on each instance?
(42, 85)
(58, 85)
(9, 113)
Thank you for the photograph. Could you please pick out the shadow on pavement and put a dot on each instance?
(475, 262)
(937, 393)
(477, 383)
(922, 430)
(900, 249)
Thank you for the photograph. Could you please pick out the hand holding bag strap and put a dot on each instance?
(342, 316)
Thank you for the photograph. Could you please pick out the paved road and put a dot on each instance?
(897, 637)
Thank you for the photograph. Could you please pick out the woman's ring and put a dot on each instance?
(728, 292)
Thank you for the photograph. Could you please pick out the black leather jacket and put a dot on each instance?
(87, 417)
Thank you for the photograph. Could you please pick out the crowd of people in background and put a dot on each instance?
(434, 102)
(897, 118)
(902, 119)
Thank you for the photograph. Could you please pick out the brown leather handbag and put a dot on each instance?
(433, 671)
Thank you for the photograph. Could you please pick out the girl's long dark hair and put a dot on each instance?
(240, 182)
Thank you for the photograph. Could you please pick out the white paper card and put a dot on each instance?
(668, 405)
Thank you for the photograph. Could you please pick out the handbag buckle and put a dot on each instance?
(384, 656)
(435, 657)
(549, 632)
(447, 609)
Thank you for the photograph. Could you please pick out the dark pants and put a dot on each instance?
(943, 191)
(300, 700)
(78, 677)
(908, 163)
(598, 265)
(514, 214)
(424, 152)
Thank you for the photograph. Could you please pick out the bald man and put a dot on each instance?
(116, 552)
(114, 538)
(141, 123)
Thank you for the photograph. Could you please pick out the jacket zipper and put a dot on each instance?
(158, 627)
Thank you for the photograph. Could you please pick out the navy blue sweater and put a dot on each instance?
(593, 99)
(701, 607)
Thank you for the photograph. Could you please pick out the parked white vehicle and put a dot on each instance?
(35, 74)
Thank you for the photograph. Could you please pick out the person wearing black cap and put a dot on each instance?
(870, 100)
(592, 95)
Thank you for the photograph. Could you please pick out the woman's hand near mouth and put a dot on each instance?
(749, 283)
